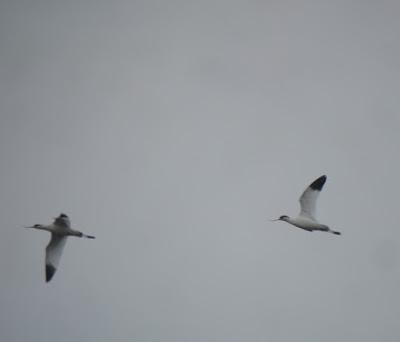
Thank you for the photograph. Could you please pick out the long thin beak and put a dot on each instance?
(28, 227)
(275, 220)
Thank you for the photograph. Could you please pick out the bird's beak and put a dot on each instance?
(29, 227)
(275, 220)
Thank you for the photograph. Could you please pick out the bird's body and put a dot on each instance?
(60, 229)
(306, 223)
(306, 219)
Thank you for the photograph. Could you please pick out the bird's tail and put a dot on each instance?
(88, 236)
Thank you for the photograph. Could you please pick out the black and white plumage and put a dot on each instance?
(308, 201)
(60, 229)
(53, 254)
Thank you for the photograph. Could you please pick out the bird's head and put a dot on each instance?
(37, 226)
(282, 218)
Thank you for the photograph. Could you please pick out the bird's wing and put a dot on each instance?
(308, 200)
(53, 254)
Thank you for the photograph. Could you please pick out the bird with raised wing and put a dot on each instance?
(306, 219)
(60, 229)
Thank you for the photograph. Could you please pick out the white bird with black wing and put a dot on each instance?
(60, 229)
(308, 200)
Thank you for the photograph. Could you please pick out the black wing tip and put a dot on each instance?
(50, 270)
(318, 183)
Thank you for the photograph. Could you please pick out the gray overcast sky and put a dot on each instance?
(173, 131)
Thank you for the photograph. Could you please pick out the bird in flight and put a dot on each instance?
(308, 200)
(60, 229)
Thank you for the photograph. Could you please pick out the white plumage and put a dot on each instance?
(60, 229)
(308, 201)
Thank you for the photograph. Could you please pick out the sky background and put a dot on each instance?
(173, 131)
